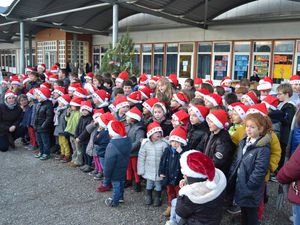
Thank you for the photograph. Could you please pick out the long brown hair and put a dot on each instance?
(260, 121)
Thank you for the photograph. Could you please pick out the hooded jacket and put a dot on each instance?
(196, 133)
(43, 120)
(136, 133)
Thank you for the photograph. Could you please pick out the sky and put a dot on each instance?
(5, 3)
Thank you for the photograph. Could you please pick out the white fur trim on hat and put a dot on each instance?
(62, 100)
(133, 116)
(178, 139)
(185, 169)
(89, 87)
(197, 112)
(178, 100)
(264, 86)
(38, 92)
(122, 104)
(84, 107)
(29, 95)
(269, 106)
(101, 123)
(76, 93)
(248, 99)
(119, 80)
(240, 111)
(252, 111)
(98, 97)
(144, 95)
(133, 100)
(294, 82)
(58, 92)
(154, 130)
(212, 100)
(14, 82)
(10, 95)
(74, 104)
(147, 106)
(215, 120)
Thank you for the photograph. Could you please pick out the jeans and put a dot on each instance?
(296, 214)
(118, 191)
(43, 139)
(174, 218)
(151, 184)
(249, 216)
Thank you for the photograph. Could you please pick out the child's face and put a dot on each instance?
(89, 81)
(123, 110)
(23, 102)
(174, 104)
(197, 95)
(152, 85)
(129, 120)
(264, 93)
(73, 108)
(32, 77)
(106, 85)
(146, 111)
(127, 90)
(15, 87)
(119, 95)
(245, 102)
(55, 95)
(235, 118)
(85, 112)
(281, 96)
(158, 113)
(54, 84)
(61, 75)
(11, 100)
(252, 130)
(239, 96)
(39, 98)
(4, 86)
(208, 104)
(60, 104)
(175, 122)
(193, 118)
(188, 86)
(296, 88)
(227, 84)
(175, 144)
(212, 126)
(162, 88)
(156, 136)
(95, 82)
(70, 92)
(119, 84)
(96, 101)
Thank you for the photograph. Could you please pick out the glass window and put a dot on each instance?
(147, 64)
(204, 47)
(103, 49)
(137, 48)
(204, 65)
(136, 61)
(242, 47)
(147, 48)
(220, 67)
(284, 46)
(158, 63)
(262, 46)
(171, 63)
(172, 47)
(186, 47)
(96, 49)
(222, 47)
(261, 65)
(241, 64)
(159, 48)
(282, 66)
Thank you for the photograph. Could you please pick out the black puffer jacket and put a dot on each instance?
(219, 148)
(9, 117)
(196, 133)
(79, 132)
(43, 120)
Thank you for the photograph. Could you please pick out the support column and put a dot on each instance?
(22, 47)
(30, 49)
(75, 52)
(115, 25)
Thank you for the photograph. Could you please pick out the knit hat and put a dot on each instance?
(202, 91)
(30, 93)
(148, 104)
(295, 79)
(122, 76)
(241, 110)
(73, 86)
(89, 75)
(135, 97)
(198, 81)
(54, 69)
(65, 99)
(146, 92)
(53, 77)
(200, 111)
(219, 117)
(10, 93)
(101, 95)
(250, 97)
(195, 164)
(104, 119)
(76, 101)
(173, 79)
(215, 99)
(178, 134)
(42, 66)
(258, 108)
(46, 85)
(181, 116)
(97, 113)
(86, 105)
(271, 102)
(134, 113)
(15, 81)
(121, 102)
(226, 80)
(162, 105)
(90, 87)
(80, 92)
(153, 128)
(59, 90)
(44, 93)
(25, 79)
(181, 98)
(116, 129)
(143, 79)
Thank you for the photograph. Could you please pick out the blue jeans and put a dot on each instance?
(153, 184)
(118, 191)
(296, 214)
(174, 218)
(106, 182)
(43, 139)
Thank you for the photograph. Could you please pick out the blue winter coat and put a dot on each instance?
(26, 119)
(117, 156)
(250, 170)
(101, 141)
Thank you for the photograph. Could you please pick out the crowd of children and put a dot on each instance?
(210, 147)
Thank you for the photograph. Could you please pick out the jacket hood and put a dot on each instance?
(199, 193)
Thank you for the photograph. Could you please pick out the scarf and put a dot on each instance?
(10, 106)
(57, 113)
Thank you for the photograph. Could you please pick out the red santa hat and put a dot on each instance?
(46, 85)
(29, 69)
(218, 117)
(54, 69)
(64, 99)
(5, 81)
(112, 107)
(148, 104)
(153, 128)
(226, 80)
(258, 108)
(295, 79)
(15, 81)
(266, 80)
(53, 77)
(146, 92)
(97, 113)
(198, 81)
(250, 97)
(181, 116)
(25, 79)
(154, 79)
(200, 111)
(89, 75)
(30, 93)
(173, 79)
(203, 92)
(134, 113)
(122, 76)
(135, 97)
(10, 93)
(215, 99)
(101, 95)
(86, 105)
(47, 75)
(116, 129)
(76, 101)
(104, 119)
(42, 66)
(264, 86)
(271, 102)
(143, 79)
(241, 110)
(73, 86)
(81, 92)
(59, 90)
(43, 92)
(121, 102)
(178, 134)
(90, 87)
(181, 98)
(209, 82)
(230, 107)
(162, 105)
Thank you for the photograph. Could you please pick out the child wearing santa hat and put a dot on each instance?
(237, 113)
(34, 81)
(149, 156)
(201, 196)
(295, 82)
(159, 112)
(122, 107)
(164, 90)
(5, 84)
(180, 118)
(147, 110)
(178, 100)
(117, 156)
(136, 132)
(169, 167)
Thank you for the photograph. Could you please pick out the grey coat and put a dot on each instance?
(136, 133)
(62, 123)
(92, 130)
(149, 158)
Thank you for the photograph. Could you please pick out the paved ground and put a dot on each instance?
(35, 192)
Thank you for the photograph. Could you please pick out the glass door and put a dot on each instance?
(185, 59)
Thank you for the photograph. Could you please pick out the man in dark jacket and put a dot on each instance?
(116, 161)
(43, 122)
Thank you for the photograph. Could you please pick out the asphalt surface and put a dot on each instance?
(49, 192)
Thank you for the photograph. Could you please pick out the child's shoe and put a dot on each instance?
(38, 155)
(59, 157)
(109, 203)
(87, 169)
(83, 167)
(66, 159)
(45, 157)
(148, 197)
(102, 188)
(93, 173)
(137, 187)
(167, 212)
(157, 199)
(98, 176)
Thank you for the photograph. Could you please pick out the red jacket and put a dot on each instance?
(290, 174)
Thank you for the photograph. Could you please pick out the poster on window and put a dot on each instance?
(261, 65)
(220, 67)
(283, 66)
(241, 63)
